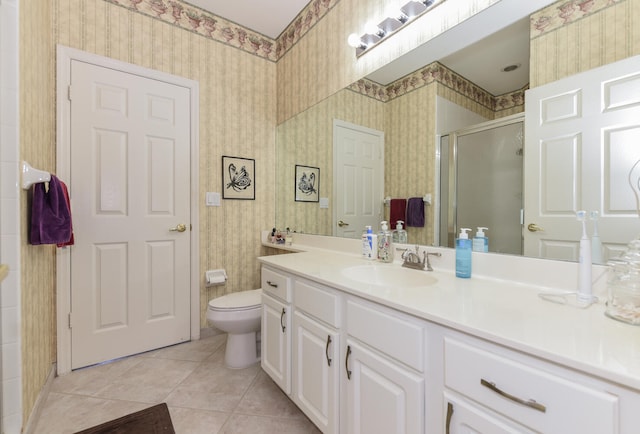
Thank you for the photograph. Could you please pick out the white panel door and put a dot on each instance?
(382, 397)
(130, 188)
(359, 179)
(582, 135)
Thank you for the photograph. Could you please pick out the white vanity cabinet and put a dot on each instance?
(382, 371)
(505, 391)
(316, 354)
(276, 327)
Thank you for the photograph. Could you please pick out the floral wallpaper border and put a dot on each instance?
(304, 21)
(555, 16)
(196, 20)
(436, 72)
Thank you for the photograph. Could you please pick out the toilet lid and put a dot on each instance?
(238, 300)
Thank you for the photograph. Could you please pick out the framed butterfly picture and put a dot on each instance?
(307, 184)
(238, 178)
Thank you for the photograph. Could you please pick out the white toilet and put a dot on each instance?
(239, 314)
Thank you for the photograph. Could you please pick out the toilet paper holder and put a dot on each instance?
(215, 277)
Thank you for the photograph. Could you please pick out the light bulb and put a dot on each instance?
(372, 28)
(354, 40)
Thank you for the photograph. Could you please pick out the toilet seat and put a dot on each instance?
(237, 301)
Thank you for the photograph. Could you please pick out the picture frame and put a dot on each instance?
(307, 183)
(238, 178)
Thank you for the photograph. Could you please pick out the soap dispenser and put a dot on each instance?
(385, 252)
(399, 235)
(463, 254)
(480, 241)
(369, 244)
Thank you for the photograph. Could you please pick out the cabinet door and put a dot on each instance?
(315, 371)
(276, 341)
(463, 417)
(382, 396)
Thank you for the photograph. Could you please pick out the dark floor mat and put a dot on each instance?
(152, 420)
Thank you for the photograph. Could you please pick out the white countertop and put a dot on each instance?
(502, 311)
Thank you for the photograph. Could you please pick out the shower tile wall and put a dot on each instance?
(11, 400)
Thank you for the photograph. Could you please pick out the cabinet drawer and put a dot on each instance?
(318, 302)
(397, 338)
(525, 393)
(277, 284)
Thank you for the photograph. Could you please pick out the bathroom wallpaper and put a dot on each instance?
(569, 37)
(238, 116)
(37, 137)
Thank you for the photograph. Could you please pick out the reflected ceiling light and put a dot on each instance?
(375, 33)
(510, 68)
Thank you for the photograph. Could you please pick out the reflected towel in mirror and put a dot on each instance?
(397, 211)
(415, 212)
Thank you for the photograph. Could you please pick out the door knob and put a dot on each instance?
(179, 228)
(534, 228)
(342, 224)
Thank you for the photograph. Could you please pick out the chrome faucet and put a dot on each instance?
(412, 259)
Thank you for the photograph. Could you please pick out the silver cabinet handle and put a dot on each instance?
(271, 284)
(326, 350)
(528, 403)
(346, 362)
(281, 318)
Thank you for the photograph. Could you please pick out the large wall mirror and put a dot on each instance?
(461, 84)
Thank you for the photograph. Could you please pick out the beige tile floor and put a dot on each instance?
(202, 394)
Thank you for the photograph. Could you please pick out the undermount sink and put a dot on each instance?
(389, 276)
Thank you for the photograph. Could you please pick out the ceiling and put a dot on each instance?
(481, 63)
(269, 17)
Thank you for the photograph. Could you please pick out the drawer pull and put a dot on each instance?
(271, 284)
(281, 318)
(326, 350)
(449, 415)
(346, 362)
(528, 403)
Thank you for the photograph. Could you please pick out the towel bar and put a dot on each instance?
(32, 176)
(426, 199)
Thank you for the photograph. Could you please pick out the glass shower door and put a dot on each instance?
(485, 167)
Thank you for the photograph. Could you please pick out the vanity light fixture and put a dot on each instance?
(375, 33)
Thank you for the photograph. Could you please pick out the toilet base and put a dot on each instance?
(241, 351)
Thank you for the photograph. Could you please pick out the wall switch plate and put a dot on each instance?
(324, 202)
(212, 199)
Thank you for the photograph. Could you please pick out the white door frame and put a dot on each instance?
(63, 264)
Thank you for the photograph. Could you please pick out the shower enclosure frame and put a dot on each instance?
(447, 212)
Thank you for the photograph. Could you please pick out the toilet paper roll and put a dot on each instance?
(215, 277)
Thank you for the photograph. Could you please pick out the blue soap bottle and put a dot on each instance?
(463, 254)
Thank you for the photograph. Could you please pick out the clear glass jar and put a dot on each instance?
(623, 286)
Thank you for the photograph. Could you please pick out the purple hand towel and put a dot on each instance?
(50, 216)
(415, 212)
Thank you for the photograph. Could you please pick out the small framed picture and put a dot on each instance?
(307, 184)
(238, 178)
